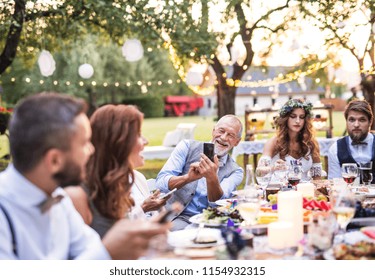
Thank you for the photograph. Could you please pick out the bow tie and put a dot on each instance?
(49, 202)
(359, 143)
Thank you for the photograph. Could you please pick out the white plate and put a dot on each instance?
(242, 192)
(371, 193)
(328, 255)
(198, 219)
(184, 238)
(225, 202)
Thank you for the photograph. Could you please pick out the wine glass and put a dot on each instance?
(343, 207)
(263, 175)
(249, 208)
(294, 175)
(280, 171)
(349, 171)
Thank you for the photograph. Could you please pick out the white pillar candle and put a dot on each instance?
(289, 208)
(280, 235)
(307, 189)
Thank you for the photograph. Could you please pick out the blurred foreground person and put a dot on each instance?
(105, 197)
(50, 145)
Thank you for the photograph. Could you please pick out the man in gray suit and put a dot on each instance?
(198, 180)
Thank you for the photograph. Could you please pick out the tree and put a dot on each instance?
(65, 28)
(27, 26)
(112, 73)
(342, 21)
(202, 37)
(189, 27)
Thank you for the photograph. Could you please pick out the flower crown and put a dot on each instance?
(293, 104)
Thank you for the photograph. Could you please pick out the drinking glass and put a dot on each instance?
(280, 171)
(294, 175)
(365, 169)
(249, 177)
(263, 175)
(343, 207)
(349, 171)
(249, 208)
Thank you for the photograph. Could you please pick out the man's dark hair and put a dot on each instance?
(361, 106)
(39, 123)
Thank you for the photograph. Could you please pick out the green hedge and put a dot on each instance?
(151, 106)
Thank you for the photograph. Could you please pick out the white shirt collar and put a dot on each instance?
(21, 190)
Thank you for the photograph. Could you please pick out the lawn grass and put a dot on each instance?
(155, 129)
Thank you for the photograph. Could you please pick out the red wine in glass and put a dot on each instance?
(293, 181)
(349, 179)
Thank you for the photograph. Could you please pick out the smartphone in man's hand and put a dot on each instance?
(209, 150)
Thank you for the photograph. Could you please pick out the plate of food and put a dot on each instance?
(362, 250)
(217, 217)
(195, 238)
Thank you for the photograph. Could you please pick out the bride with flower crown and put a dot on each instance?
(294, 141)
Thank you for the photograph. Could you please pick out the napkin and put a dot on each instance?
(369, 231)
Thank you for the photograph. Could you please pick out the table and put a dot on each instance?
(255, 148)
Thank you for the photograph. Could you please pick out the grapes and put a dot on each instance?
(272, 199)
(321, 197)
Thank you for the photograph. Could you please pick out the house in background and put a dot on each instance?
(265, 97)
(278, 94)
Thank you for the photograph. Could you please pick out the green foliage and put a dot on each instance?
(110, 68)
(151, 106)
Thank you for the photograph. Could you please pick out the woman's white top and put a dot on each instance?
(139, 192)
(309, 168)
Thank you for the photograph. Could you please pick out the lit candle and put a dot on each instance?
(280, 235)
(307, 189)
(289, 208)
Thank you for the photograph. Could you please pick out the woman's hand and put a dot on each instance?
(153, 202)
(280, 165)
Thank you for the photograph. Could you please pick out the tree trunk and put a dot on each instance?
(226, 96)
(14, 35)
(368, 89)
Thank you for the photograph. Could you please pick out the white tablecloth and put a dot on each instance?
(256, 147)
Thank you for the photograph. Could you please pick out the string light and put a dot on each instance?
(279, 79)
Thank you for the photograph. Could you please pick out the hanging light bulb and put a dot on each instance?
(132, 50)
(47, 64)
(86, 71)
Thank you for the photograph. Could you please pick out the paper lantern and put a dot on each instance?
(132, 50)
(47, 64)
(86, 71)
(194, 78)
